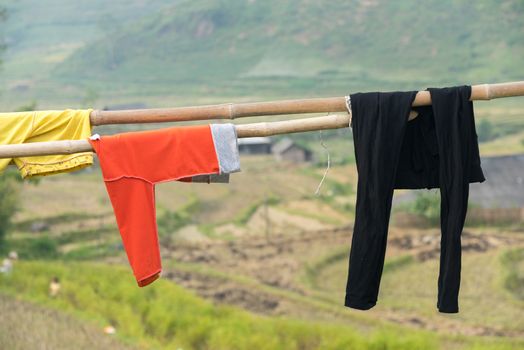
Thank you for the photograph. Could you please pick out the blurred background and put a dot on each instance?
(260, 263)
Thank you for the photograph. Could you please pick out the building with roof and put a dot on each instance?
(504, 185)
(503, 188)
(254, 145)
(287, 150)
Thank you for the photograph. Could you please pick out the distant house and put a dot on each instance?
(504, 185)
(254, 145)
(125, 106)
(287, 150)
(503, 188)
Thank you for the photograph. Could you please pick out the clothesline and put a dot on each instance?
(313, 105)
(232, 111)
(243, 131)
(130, 167)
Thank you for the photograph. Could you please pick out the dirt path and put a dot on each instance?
(278, 261)
(275, 261)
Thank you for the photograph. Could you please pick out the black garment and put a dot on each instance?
(439, 148)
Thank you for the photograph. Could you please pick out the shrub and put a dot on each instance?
(40, 248)
(485, 131)
(171, 221)
(514, 279)
(427, 204)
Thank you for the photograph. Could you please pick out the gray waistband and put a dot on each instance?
(226, 147)
(225, 140)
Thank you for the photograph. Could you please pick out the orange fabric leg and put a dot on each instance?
(131, 164)
(134, 206)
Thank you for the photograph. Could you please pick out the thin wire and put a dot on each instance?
(328, 163)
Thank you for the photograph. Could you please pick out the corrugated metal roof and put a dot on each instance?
(255, 141)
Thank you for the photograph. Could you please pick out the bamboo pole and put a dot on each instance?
(243, 131)
(231, 111)
(239, 110)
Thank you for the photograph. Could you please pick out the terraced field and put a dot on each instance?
(276, 250)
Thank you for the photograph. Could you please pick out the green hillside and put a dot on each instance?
(294, 47)
(162, 53)
(40, 35)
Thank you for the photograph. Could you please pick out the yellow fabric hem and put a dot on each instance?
(78, 162)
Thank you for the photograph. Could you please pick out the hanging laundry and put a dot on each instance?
(132, 163)
(438, 149)
(25, 127)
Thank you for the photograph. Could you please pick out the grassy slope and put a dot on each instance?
(167, 316)
(482, 294)
(89, 232)
(511, 144)
(410, 288)
(49, 329)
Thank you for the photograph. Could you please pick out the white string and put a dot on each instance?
(328, 163)
(348, 103)
(348, 106)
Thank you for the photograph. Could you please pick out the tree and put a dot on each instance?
(9, 191)
(9, 199)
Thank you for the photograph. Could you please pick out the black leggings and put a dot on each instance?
(437, 149)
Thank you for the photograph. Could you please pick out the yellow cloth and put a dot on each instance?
(25, 127)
